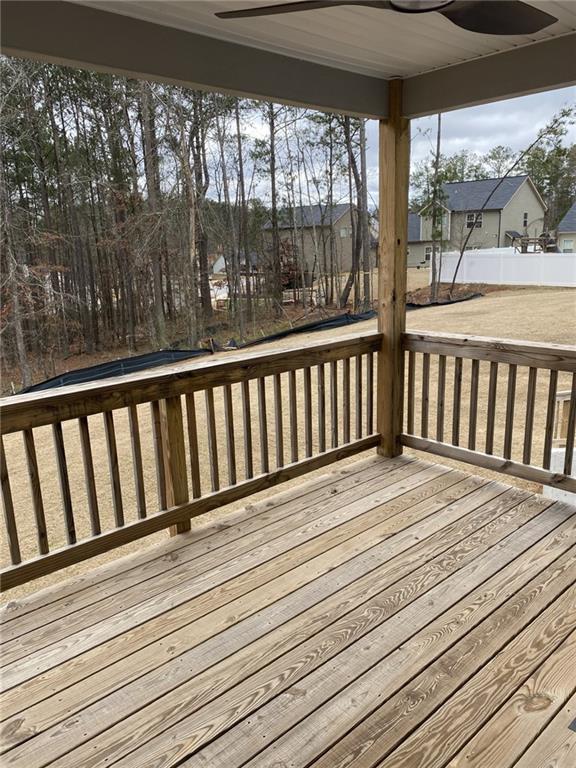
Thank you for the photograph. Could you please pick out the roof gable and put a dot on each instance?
(310, 216)
(471, 195)
(568, 223)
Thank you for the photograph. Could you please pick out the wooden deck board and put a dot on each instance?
(397, 613)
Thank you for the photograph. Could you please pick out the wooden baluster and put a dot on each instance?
(114, 469)
(88, 462)
(137, 462)
(37, 501)
(212, 440)
(247, 422)
(321, 409)
(425, 394)
(308, 410)
(510, 400)
(293, 416)
(441, 398)
(174, 458)
(334, 402)
(8, 507)
(278, 416)
(369, 393)
(491, 410)
(411, 392)
(64, 482)
(346, 399)
(230, 443)
(549, 429)
(192, 428)
(159, 454)
(358, 397)
(457, 401)
(569, 453)
(473, 418)
(263, 420)
(529, 423)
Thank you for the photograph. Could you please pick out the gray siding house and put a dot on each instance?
(566, 232)
(515, 209)
(322, 234)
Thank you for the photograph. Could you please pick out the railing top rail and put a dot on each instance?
(533, 354)
(37, 409)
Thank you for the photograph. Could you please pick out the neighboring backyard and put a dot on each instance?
(543, 315)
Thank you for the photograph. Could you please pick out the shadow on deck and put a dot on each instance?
(391, 613)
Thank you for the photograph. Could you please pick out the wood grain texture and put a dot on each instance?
(8, 509)
(88, 464)
(394, 171)
(532, 354)
(31, 569)
(529, 419)
(114, 469)
(550, 411)
(395, 611)
(36, 409)
(230, 437)
(64, 483)
(136, 462)
(35, 487)
(505, 466)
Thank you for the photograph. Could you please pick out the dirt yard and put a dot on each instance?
(546, 315)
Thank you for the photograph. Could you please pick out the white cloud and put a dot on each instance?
(514, 123)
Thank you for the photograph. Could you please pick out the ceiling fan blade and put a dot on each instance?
(505, 17)
(303, 5)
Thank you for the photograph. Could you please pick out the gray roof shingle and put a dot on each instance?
(568, 223)
(471, 195)
(310, 216)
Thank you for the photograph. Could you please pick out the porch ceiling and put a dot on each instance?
(336, 59)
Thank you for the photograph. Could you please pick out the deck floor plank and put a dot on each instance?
(190, 565)
(396, 614)
(211, 611)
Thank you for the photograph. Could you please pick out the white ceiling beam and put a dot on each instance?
(80, 36)
(531, 69)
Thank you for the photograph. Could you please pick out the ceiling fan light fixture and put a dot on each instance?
(419, 6)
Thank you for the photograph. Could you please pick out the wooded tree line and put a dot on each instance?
(117, 194)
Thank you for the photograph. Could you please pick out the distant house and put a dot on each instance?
(515, 210)
(322, 234)
(219, 265)
(566, 232)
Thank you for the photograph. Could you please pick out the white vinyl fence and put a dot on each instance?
(506, 266)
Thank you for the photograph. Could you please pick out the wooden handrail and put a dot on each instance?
(506, 411)
(37, 409)
(123, 508)
(553, 357)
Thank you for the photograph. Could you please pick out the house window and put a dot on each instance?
(345, 232)
(428, 254)
(474, 219)
(525, 220)
(568, 246)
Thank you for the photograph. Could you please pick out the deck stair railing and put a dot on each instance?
(177, 444)
(492, 403)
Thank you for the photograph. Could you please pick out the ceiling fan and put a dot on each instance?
(489, 17)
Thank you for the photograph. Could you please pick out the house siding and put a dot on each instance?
(524, 200)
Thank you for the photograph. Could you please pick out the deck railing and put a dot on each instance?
(177, 445)
(466, 409)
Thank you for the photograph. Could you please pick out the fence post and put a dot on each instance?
(174, 453)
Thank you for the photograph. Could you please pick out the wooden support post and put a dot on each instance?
(175, 469)
(394, 180)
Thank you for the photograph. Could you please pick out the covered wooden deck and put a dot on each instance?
(391, 613)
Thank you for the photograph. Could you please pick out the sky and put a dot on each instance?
(513, 123)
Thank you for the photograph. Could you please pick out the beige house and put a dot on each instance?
(566, 232)
(322, 234)
(515, 209)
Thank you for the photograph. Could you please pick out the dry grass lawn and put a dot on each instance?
(545, 315)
